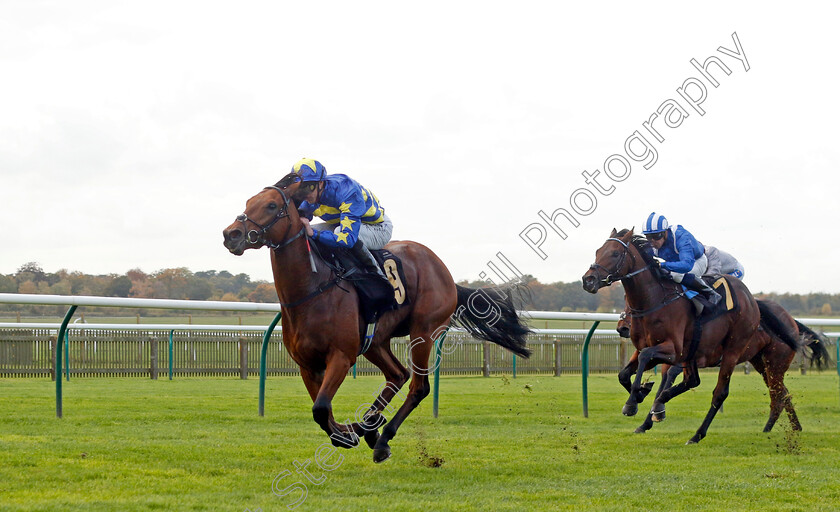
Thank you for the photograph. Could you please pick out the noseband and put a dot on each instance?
(259, 237)
(611, 277)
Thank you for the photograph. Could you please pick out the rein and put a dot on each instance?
(611, 278)
(638, 313)
(254, 236)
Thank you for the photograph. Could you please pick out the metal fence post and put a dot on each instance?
(59, 406)
(837, 358)
(622, 352)
(585, 368)
(485, 364)
(67, 355)
(263, 352)
(53, 349)
(153, 358)
(243, 358)
(171, 352)
(438, 362)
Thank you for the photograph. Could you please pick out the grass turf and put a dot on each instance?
(499, 444)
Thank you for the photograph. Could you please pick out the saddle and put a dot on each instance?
(375, 296)
(706, 311)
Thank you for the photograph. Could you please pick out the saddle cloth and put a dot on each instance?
(375, 296)
(705, 310)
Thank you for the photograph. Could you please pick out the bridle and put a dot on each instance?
(259, 236)
(254, 236)
(611, 277)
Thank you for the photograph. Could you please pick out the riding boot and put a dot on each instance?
(363, 254)
(699, 285)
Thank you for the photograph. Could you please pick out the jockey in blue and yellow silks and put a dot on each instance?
(353, 218)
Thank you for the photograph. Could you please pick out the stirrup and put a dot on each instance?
(371, 330)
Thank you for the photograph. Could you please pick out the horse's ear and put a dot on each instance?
(613, 233)
(630, 234)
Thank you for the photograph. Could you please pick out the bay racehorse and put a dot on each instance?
(664, 321)
(771, 360)
(323, 329)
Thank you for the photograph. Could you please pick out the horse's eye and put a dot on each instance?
(616, 254)
(272, 206)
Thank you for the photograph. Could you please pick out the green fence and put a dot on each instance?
(110, 352)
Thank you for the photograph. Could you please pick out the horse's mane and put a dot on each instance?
(641, 244)
(286, 180)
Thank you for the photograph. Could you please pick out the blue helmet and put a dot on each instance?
(308, 169)
(655, 223)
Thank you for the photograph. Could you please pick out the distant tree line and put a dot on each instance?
(169, 283)
(181, 283)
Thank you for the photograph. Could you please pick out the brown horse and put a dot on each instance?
(664, 328)
(771, 362)
(323, 329)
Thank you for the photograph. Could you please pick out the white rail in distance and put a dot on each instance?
(68, 300)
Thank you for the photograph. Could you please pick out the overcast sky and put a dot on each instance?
(131, 134)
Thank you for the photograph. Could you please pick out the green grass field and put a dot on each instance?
(499, 444)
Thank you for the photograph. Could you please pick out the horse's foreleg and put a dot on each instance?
(657, 410)
(626, 373)
(649, 419)
(419, 389)
(648, 358)
(668, 378)
(691, 379)
(341, 435)
(631, 407)
(721, 391)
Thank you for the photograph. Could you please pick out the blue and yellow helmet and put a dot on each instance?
(308, 169)
(656, 223)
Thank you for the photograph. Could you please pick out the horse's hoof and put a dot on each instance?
(381, 454)
(629, 409)
(658, 416)
(640, 430)
(371, 438)
(694, 440)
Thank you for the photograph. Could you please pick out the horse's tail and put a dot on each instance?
(816, 342)
(774, 324)
(490, 314)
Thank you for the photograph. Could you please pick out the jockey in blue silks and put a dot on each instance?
(685, 258)
(353, 218)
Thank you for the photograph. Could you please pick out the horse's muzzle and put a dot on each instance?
(234, 240)
(590, 282)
